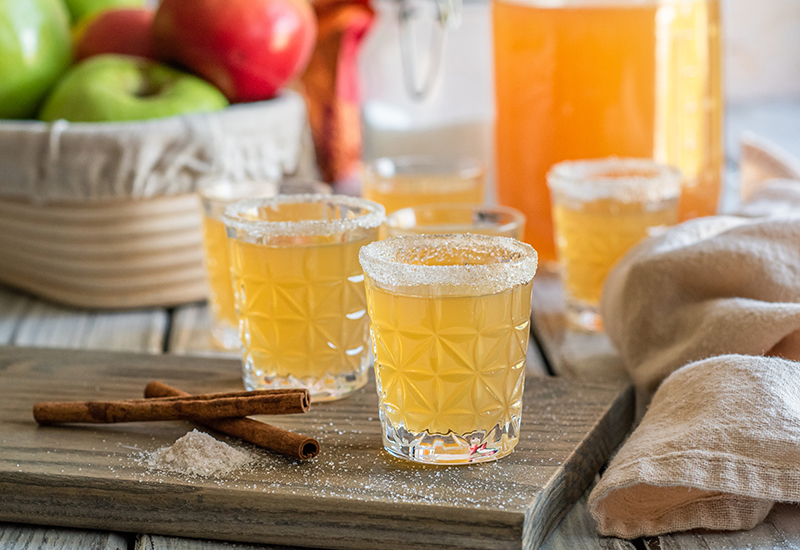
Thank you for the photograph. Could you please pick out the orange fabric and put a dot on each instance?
(332, 88)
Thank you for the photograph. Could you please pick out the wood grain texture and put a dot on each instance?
(572, 354)
(577, 531)
(25, 537)
(354, 495)
(47, 325)
(158, 542)
(780, 530)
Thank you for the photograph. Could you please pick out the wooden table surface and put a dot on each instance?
(26, 321)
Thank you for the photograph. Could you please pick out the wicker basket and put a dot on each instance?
(105, 215)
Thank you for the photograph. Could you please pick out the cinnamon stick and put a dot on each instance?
(253, 431)
(194, 407)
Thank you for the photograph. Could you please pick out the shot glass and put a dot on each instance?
(215, 195)
(439, 219)
(400, 182)
(450, 317)
(601, 209)
(299, 290)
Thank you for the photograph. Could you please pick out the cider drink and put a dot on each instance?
(401, 182)
(220, 292)
(450, 318)
(299, 291)
(215, 196)
(601, 210)
(594, 78)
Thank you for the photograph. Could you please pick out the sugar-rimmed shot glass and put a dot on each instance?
(450, 317)
(299, 290)
(601, 209)
(215, 195)
(403, 181)
(443, 218)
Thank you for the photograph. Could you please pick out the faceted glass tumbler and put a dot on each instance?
(450, 318)
(299, 290)
(215, 195)
(601, 209)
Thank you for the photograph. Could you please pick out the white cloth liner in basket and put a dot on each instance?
(104, 215)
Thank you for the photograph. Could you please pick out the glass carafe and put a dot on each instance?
(579, 79)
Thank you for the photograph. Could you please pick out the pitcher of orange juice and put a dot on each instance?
(578, 79)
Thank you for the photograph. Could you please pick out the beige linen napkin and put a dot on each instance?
(700, 306)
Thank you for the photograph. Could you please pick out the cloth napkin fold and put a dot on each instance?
(701, 316)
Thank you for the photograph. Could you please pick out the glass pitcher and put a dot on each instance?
(426, 69)
(577, 79)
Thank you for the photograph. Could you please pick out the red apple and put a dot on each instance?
(248, 48)
(124, 31)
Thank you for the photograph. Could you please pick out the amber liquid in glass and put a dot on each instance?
(303, 314)
(593, 236)
(220, 295)
(402, 191)
(589, 82)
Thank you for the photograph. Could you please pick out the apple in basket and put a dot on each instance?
(34, 52)
(82, 9)
(111, 87)
(248, 48)
(120, 30)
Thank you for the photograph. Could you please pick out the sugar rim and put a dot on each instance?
(584, 179)
(374, 215)
(379, 262)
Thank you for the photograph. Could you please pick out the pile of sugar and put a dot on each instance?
(197, 453)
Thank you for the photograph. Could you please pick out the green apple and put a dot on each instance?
(35, 49)
(107, 88)
(80, 9)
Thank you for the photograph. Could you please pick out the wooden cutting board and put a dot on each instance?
(353, 495)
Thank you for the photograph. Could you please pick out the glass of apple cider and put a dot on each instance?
(601, 209)
(400, 182)
(450, 318)
(442, 218)
(215, 195)
(299, 290)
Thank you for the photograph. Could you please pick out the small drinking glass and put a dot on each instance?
(400, 182)
(450, 317)
(433, 219)
(215, 195)
(601, 209)
(299, 290)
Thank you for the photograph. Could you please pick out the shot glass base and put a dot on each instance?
(329, 387)
(478, 446)
(226, 337)
(584, 317)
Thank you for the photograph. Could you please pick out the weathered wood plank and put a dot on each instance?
(158, 542)
(25, 537)
(577, 531)
(49, 325)
(13, 305)
(354, 495)
(573, 355)
(26, 321)
(781, 530)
